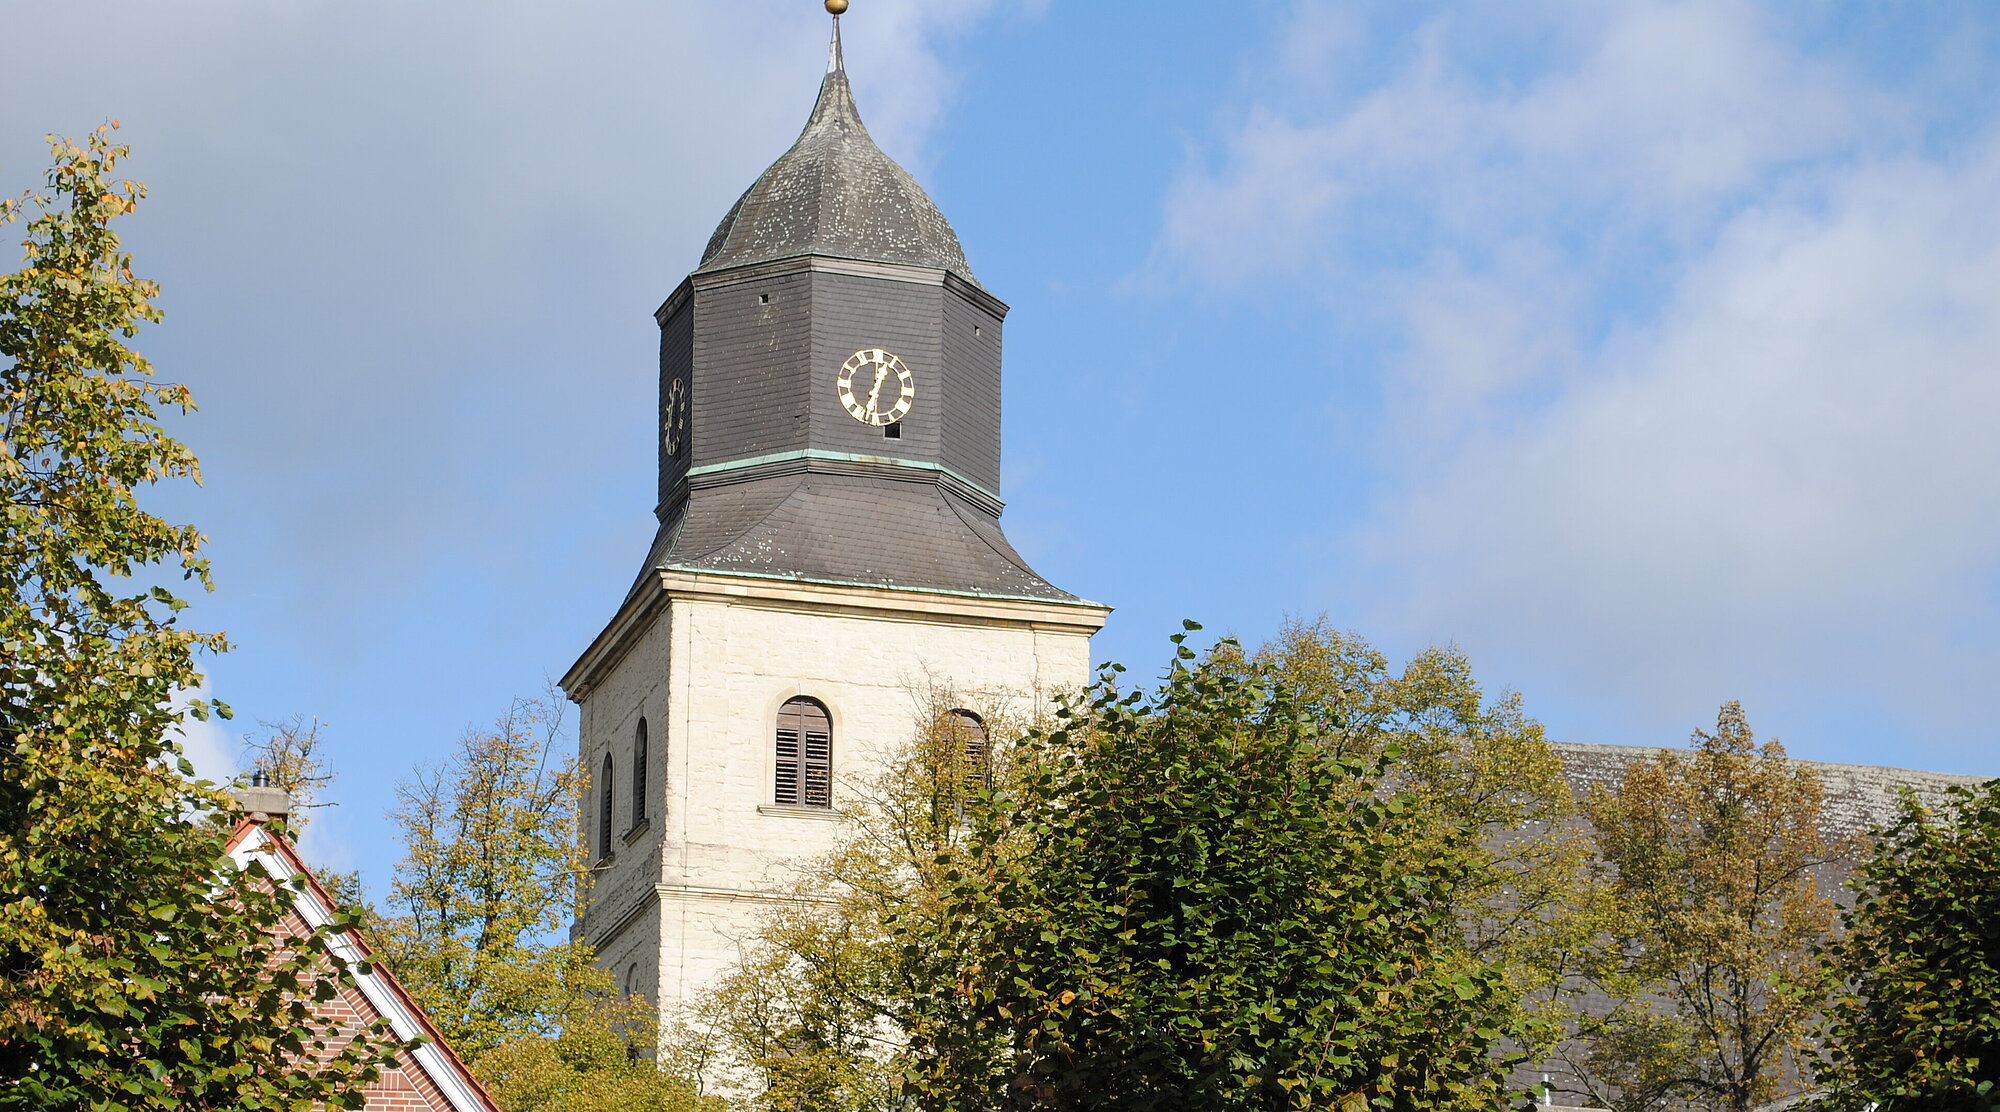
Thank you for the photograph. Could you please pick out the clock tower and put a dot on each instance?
(829, 551)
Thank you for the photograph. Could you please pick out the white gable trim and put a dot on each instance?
(457, 1089)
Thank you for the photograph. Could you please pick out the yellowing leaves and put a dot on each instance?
(146, 971)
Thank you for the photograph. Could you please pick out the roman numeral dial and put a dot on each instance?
(876, 388)
(674, 418)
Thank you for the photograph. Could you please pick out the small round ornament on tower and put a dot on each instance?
(836, 6)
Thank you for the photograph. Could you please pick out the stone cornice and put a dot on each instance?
(657, 892)
(849, 599)
(828, 264)
(954, 607)
(611, 642)
(840, 463)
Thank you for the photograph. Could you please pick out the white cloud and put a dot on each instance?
(1694, 343)
(408, 249)
(1665, 111)
(1800, 443)
(207, 744)
(409, 253)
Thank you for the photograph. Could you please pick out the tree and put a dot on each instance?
(814, 1019)
(1715, 855)
(489, 877)
(138, 968)
(589, 1066)
(818, 1012)
(1530, 899)
(475, 925)
(1191, 899)
(1917, 1024)
(291, 756)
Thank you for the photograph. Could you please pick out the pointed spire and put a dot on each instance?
(834, 110)
(835, 194)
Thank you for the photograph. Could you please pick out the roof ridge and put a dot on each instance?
(737, 535)
(1014, 558)
(835, 106)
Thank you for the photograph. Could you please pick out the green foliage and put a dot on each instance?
(138, 968)
(814, 1015)
(476, 925)
(819, 1013)
(1917, 1027)
(1193, 900)
(488, 881)
(1530, 897)
(589, 1067)
(1716, 960)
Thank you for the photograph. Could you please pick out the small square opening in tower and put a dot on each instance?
(893, 430)
(763, 299)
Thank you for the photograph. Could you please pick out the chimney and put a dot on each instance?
(260, 800)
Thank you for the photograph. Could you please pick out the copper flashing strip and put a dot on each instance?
(774, 464)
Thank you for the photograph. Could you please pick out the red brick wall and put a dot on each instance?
(406, 1088)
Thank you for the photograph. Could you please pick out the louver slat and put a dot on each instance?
(788, 765)
(819, 769)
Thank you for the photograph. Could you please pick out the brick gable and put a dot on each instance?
(430, 1079)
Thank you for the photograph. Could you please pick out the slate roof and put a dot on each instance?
(848, 529)
(1857, 797)
(835, 193)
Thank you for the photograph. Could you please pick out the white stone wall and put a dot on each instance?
(709, 670)
(636, 687)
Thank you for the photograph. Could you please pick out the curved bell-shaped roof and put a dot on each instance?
(835, 193)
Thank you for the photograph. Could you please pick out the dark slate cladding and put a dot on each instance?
(753, 360)
(970, 440)
(849, 529)
(835, 193)
(835, 250)
(676, 365)
(851, 312)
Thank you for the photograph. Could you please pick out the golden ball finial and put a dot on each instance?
(836, 6)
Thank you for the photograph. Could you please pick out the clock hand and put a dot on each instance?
(875, 392)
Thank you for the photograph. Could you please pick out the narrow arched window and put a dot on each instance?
(639, 758)
(805, 755)
(969, 735)
(604, 811)
(966, 733)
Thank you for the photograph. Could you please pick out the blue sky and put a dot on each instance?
(1647, 351)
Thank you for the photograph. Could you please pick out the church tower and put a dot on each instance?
(829, 550)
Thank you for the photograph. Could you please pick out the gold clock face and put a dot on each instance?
(673, 422)
(876, 387)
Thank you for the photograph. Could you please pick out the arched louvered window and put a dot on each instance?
(639, 761)
(604, 811)
(968, 731)
(805, 755)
